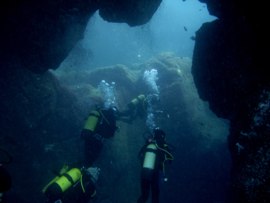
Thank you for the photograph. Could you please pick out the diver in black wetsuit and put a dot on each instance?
(153, 156)
(100, 124)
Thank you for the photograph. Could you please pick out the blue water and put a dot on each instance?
(169, 30)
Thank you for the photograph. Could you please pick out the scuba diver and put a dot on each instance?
(100, 124)
(153, 156)
(137, 107)
(72, 185)
(5, 177)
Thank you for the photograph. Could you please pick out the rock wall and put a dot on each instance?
(39, 35)
(230, 73)
(40, 121)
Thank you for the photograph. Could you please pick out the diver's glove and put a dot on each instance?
(94, 172)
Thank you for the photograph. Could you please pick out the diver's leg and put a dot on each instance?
(145, 189)
(92, 150)
(155, 190)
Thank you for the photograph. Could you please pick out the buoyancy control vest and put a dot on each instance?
(107, 123)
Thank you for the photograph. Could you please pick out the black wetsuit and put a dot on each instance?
(150, 177)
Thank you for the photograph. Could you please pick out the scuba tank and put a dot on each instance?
(74, 185)
(150, 156)
(92, 121)
(68, 179)
(62, 183)
(137, 100)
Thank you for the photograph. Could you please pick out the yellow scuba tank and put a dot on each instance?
(60, 184)
(92, 121)
(141, 97)
(134, 101)
(138, 99)
(63, 170)
(68, 179)
(150, 156)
